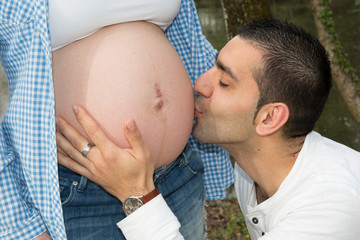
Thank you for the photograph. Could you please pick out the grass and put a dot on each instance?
(225, 220)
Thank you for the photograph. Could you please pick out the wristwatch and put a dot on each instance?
(133, 203)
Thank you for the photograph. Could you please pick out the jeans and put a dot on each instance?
(92, 213)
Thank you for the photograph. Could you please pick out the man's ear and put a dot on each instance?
(271, 117)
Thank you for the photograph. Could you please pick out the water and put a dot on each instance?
(336, 122)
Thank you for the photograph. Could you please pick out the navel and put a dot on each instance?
(158, 104)
(159, 101)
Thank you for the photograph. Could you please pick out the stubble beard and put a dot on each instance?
(204, 133)
(205, 130)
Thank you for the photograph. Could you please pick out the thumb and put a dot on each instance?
(134, 137)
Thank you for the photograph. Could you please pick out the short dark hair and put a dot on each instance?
(295, 71)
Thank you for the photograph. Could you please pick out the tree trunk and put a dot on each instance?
(347, 87)
(239, 12)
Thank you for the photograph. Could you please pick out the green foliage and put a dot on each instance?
(327, 20)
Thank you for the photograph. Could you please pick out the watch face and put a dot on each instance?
(131, 204)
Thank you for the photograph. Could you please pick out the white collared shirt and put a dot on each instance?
(319, 199)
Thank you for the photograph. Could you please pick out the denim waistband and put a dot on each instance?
(183, 160)
(76, 179)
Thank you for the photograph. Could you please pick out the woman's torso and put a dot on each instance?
(128, 70)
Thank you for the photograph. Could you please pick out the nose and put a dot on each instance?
(203, 86)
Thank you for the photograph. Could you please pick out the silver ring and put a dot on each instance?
(87, 149)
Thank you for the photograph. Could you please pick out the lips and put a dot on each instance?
(197, 112)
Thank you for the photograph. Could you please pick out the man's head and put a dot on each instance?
(272, 77)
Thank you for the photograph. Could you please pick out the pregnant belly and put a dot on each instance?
(123, 71)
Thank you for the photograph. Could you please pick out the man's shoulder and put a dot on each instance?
(330, 164)
(318, 145)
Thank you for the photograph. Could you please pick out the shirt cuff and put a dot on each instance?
(154, 220)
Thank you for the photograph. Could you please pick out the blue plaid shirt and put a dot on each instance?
(29, 196)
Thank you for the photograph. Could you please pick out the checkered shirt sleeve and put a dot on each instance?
(29, 196)
(198, 56)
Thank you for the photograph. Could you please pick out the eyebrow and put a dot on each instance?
(225, 68)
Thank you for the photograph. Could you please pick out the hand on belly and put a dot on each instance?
(119, 76)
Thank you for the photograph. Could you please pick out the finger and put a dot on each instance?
(73, 165)
(71, 134)
(61, 151)
(67, 149)
(134, 138)
(90, 127)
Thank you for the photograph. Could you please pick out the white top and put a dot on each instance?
(71, 20)
(152, 221)
(318, 200)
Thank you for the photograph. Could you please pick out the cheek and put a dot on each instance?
(227, 107)
(234, 103)
(236, 112)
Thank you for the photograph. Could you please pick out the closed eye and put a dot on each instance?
(223, 85)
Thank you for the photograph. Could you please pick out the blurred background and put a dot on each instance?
(225, 220)
(336, 121)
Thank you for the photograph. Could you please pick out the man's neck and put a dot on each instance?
(268, 162)
(261, 195)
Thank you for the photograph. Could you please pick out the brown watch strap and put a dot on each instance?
(149, 196)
